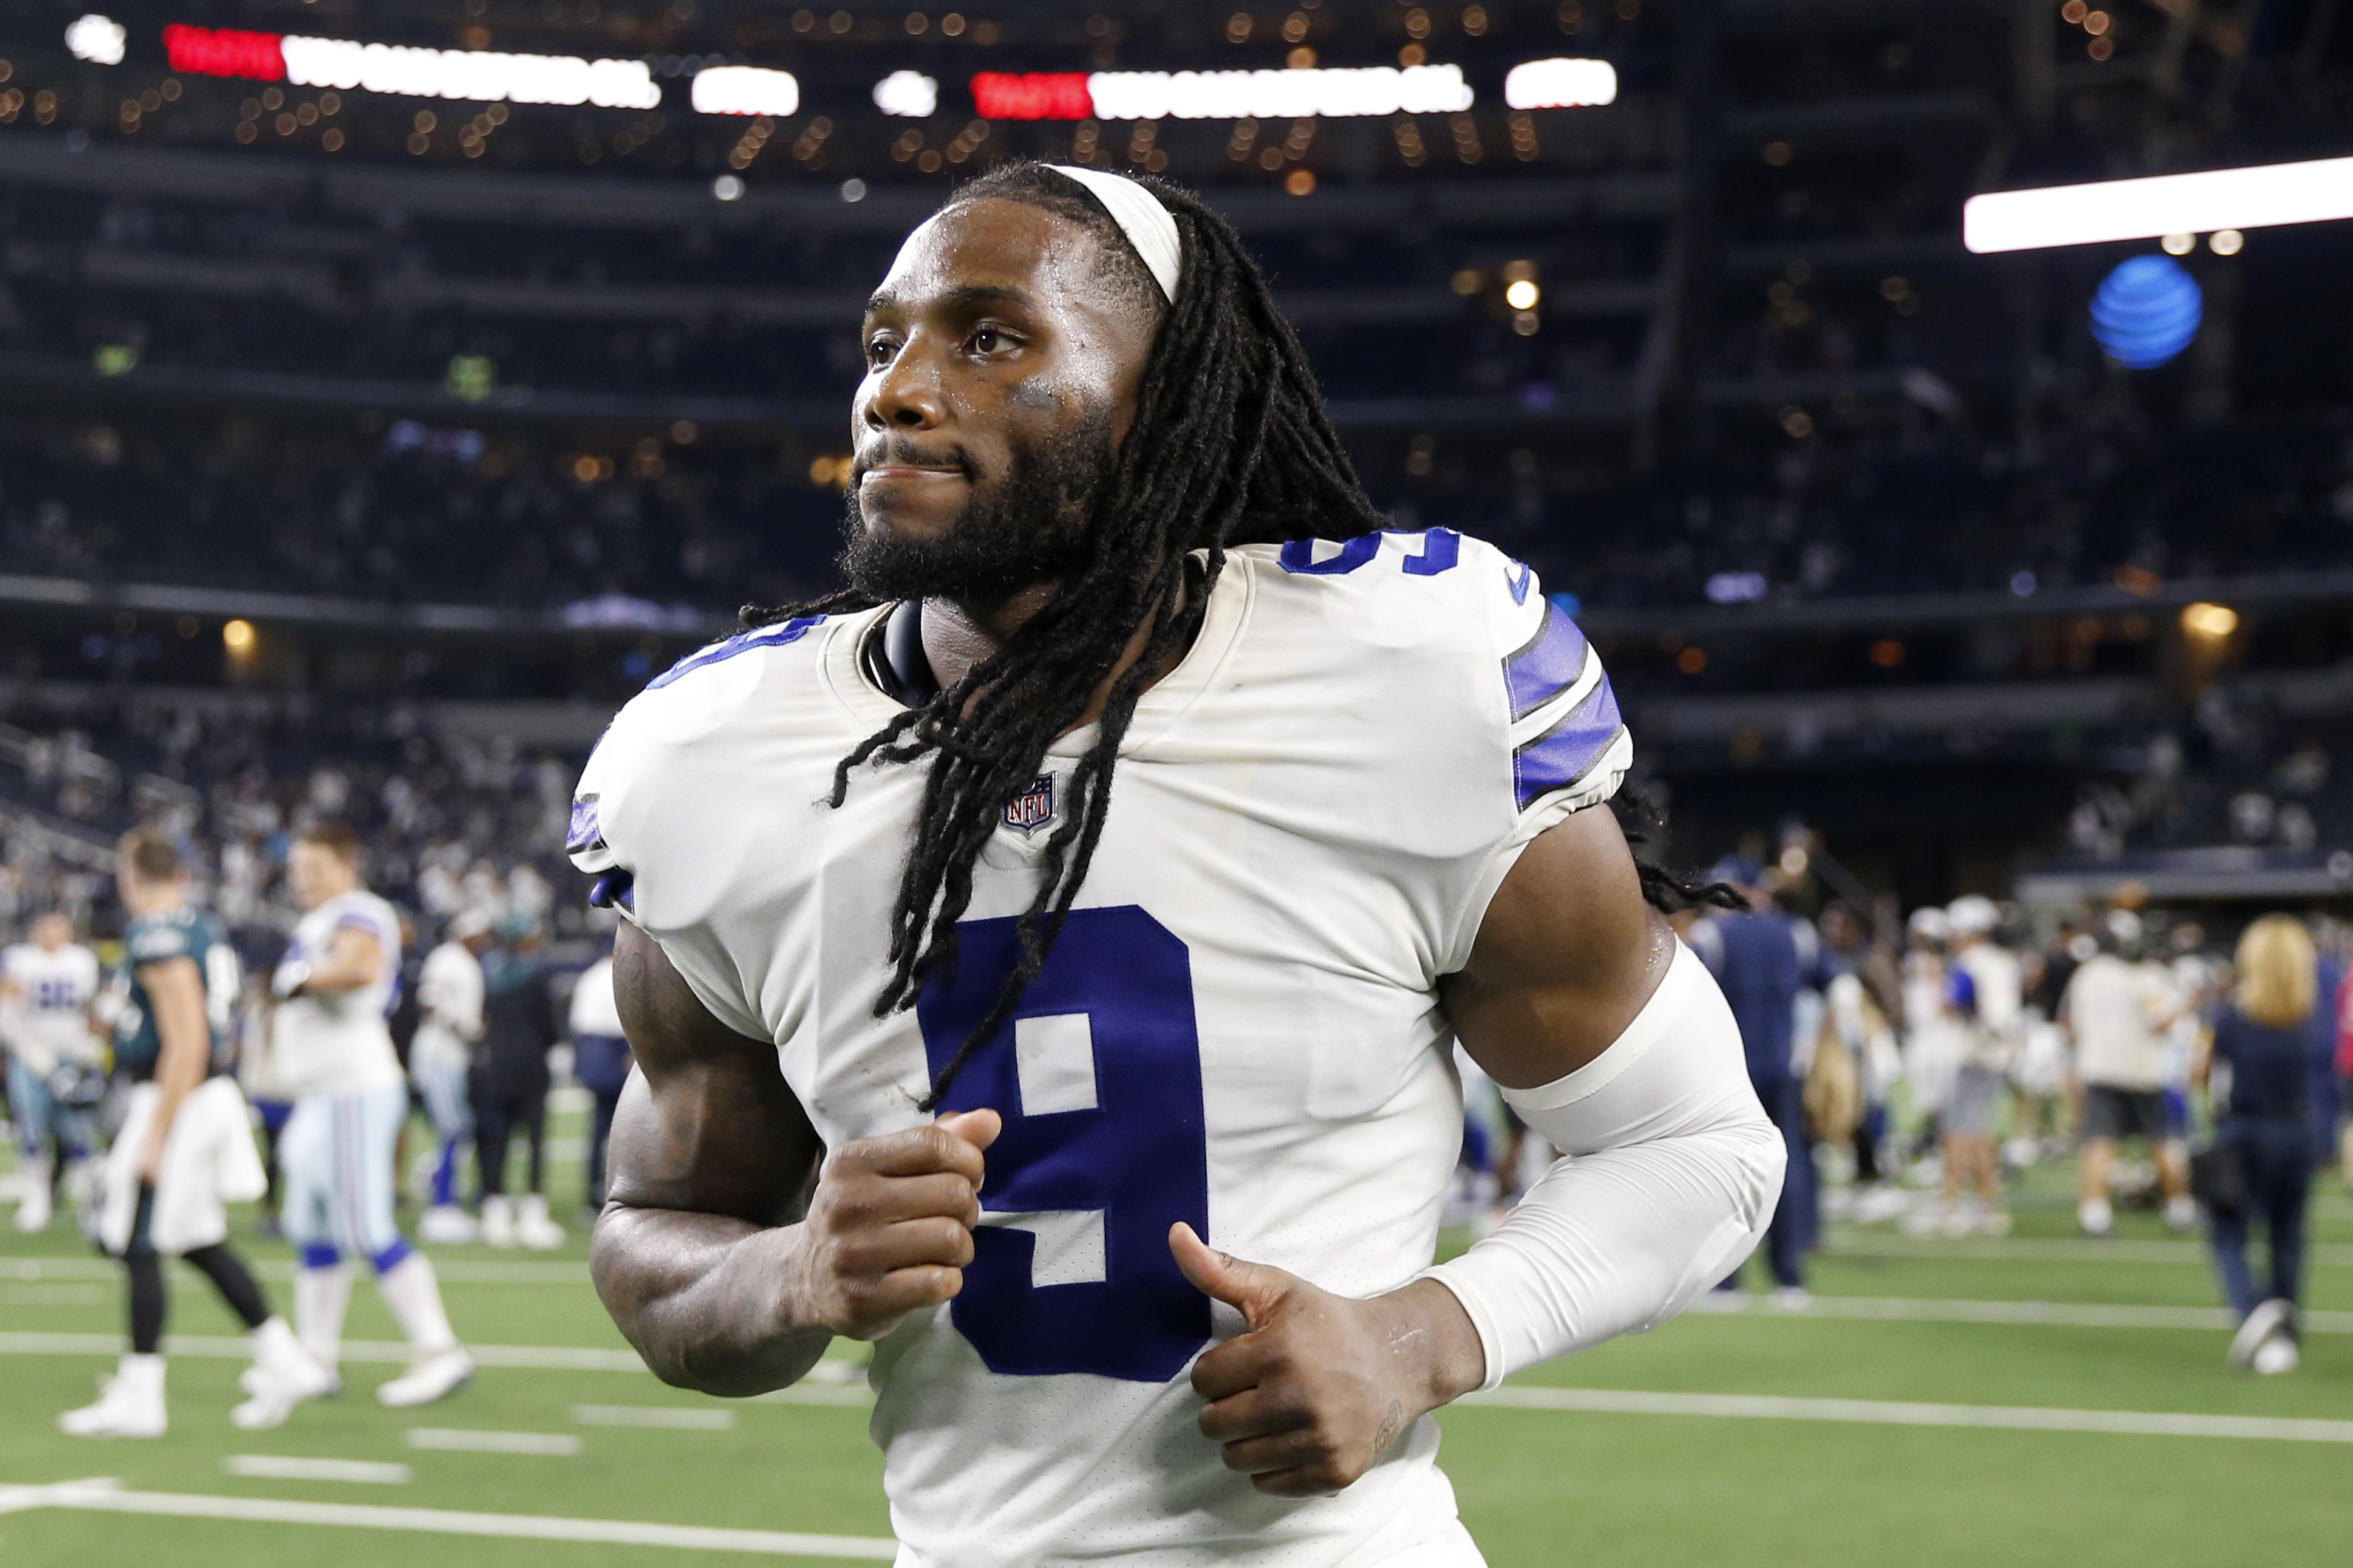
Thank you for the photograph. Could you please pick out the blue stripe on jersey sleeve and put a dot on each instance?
(742, 642)
(586, 833)
(1546, 666)
(1566, 752)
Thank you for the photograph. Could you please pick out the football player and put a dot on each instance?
(185, 1150)
(1046, 954)
(46, 986)
(330, 1040)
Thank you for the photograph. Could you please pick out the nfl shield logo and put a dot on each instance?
(1033, 808)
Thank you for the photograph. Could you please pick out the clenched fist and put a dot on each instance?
(1320, 1387)
(889, 1227)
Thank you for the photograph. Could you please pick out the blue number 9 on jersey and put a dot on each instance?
(1099, 1080)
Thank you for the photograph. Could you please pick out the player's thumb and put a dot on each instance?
(977, 1128)
(1252, 1287)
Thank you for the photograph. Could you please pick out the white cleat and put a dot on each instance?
(437, 1376)
(129, 1404)
(447, 1224)
(2097, 1216)
(2181, 1214)
(533, 1229)
(2275, 1355)
(498, 1221)
(282, 1375)
(33, 1200)
(2263, 1325)
(1792, 1297)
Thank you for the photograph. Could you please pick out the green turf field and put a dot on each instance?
(1632, 1456)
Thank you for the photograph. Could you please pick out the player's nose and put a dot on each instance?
(903, 395)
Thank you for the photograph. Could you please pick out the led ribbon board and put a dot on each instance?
(1335, 93)
(1561, 84)
(2262, 197)
(481, 76)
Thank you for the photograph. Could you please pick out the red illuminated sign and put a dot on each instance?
(225, 52)
(1035, 95)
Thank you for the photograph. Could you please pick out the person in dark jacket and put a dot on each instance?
(510, 1083)
(1763, 957)
(2258, 1071)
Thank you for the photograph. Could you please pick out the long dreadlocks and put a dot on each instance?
(1230, 445)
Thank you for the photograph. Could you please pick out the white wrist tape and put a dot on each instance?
(1669, 1174)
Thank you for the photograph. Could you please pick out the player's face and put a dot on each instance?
(1001, 375)
(316, 874)
(52, 931)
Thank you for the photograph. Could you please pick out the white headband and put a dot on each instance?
(1141, 217)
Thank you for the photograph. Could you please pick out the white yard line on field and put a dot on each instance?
(2060, 1314)
(108, 1497)
(1844, 1241)
(453, 1271)
(682, 1417)
(549, 1445)
(287, 1468)
(52, 1295)
(543, 1358)
(1893, 1413)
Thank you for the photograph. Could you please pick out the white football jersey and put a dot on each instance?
(338, 1042)
(449, 994)
(49, 1019)
(1239, 1027)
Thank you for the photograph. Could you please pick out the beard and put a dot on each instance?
(1025, 527)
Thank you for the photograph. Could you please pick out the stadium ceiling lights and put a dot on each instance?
(471, 75)
(2261, 197)
(1331, 92)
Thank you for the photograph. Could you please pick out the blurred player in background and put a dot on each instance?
(185, 1150)
(47, 987)
(331, 1040)
(448, 1027)
(2039, 1074)
(1984, 986)
(1353, 821)
(1932, 1043)
(2120, 1009)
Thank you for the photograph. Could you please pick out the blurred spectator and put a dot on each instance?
(511, 1084)
(2259, 1070)
(1763, 958)
(600, 1061)
(2120, 1008)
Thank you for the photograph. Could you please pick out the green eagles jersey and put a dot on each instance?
(159, 938)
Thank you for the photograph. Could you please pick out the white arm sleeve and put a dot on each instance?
(1669, 1174)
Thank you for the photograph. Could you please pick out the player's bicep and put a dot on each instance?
(707, 1123)
(175, 992)
(1567, 955)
